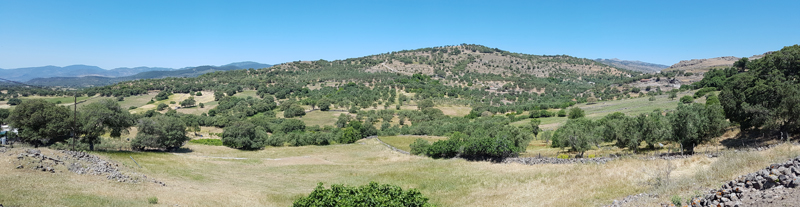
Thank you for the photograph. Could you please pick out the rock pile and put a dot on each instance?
(80, 163)
(768, 183)
(550, 160)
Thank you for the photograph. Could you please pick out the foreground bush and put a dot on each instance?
(372, 194)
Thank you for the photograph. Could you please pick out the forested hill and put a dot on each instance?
(468, 58)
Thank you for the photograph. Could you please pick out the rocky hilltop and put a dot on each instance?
(702, 65)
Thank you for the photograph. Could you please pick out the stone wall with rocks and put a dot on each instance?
(77, 162)
(755, 189)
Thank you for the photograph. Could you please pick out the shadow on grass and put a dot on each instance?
(753, 138)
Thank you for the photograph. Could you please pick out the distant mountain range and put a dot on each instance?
(25, 74)
(86, 75)
(633, 65)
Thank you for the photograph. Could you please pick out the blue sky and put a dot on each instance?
(176, 34)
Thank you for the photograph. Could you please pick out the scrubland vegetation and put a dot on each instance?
(298, 124)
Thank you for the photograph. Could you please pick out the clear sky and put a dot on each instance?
(176, 34)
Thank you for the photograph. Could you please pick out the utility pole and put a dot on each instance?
(74, 117)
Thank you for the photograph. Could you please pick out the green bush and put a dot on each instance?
(162, 132)
(704, 91)
(161, 106)
(420, 146)
(563, 157)
(152, 200)
(676, 200)
(372, 194)
(687, 99)
(244, 135)
(212, 142)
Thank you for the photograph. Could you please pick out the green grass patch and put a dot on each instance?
(212, 142)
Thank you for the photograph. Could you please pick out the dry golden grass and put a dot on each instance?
(205, 176)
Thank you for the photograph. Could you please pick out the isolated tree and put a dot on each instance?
(244, 135)
(673, 95)
(162, 106)
(14, 101)
(291, 125)
(693, 124)
(4, 113)
(218, 95)
(198, 94)
(40, 122)
(562, 113)
(575, 113)
(577, 134)
(654, 128)
(294, 111)
(350, 135)
(535, 126)
(341, 122)
(103, 116)
(687, 99)
(741, 64)
(424, 104)
(161, 132)
(202, 105)
(324, 105)
(188, 102)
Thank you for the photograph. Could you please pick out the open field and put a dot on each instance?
(404, 142)
(320, 118)
(277, 176)
(630, 107)
(243, 94)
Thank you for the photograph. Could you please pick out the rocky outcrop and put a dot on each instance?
(80, 163)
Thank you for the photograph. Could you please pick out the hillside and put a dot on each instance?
(703, 65)
(464, 59)
(633, 65)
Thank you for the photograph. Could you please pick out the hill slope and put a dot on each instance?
(633, 65)
(463, 59)
(703, 65)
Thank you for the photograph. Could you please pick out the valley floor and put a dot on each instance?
(200, 175)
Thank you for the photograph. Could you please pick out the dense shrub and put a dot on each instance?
(294, 111)
(704, 91)
(161, 132)
(419, 146)
(14, 101)
(244, 135)
(372, 194)
(687, 99)
(575, 113)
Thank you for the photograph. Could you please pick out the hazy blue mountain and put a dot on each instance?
(25, 74)
(88, 81)
(634, 65)
(74, 71)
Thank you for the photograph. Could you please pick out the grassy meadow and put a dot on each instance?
(201, 175)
